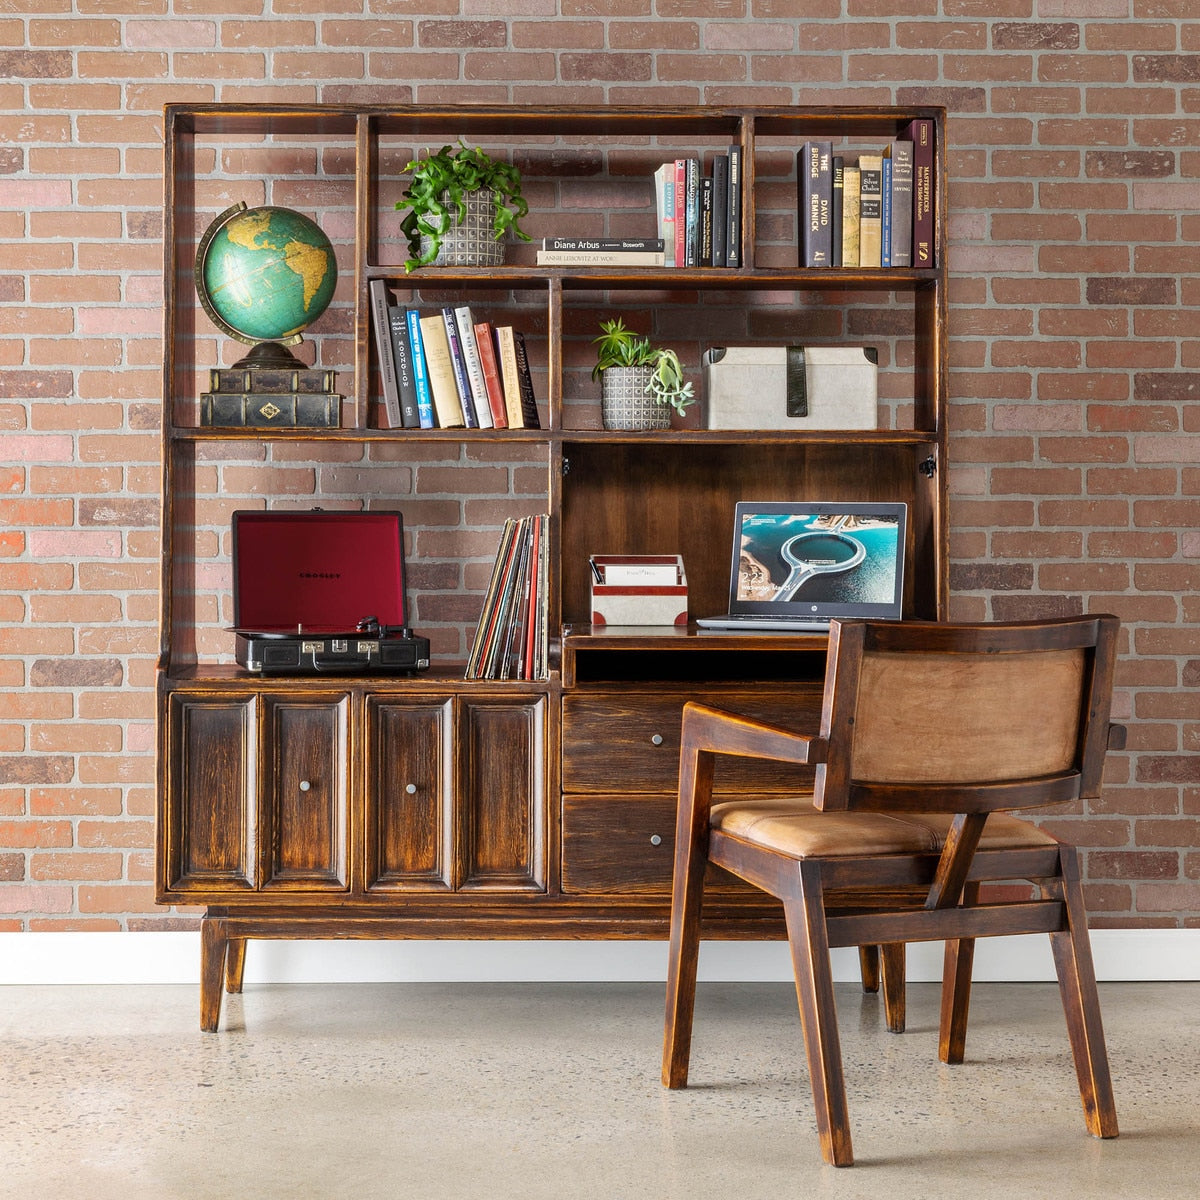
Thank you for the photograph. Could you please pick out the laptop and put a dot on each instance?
(798, 565)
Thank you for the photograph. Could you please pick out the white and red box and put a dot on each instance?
(638, 589)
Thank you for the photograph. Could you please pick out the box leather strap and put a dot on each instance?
(797, 391)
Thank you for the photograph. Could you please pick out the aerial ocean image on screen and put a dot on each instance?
(842, 557)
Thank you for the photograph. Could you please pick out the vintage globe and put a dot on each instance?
(264, 274)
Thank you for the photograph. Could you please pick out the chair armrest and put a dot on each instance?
(719, 732)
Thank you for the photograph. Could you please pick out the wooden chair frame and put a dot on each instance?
(951, 910)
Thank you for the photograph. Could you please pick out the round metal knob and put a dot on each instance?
(656, 839)
(656, 740)
(305, 785)
(411, 789)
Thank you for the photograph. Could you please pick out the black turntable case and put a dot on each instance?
(317, 591)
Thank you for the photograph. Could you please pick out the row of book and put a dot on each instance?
(447, 370)
(511, 639)
(699, 222)
(875, 211)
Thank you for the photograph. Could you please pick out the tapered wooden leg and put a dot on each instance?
(868, 965)
(892, 956)
(956, 990)
(235, 965)
(1081, 1004)
(687, 894)
(214, 942)
(809, 943)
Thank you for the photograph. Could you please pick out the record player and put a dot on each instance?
(319, 592)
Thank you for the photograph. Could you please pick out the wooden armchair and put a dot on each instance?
(927, 732)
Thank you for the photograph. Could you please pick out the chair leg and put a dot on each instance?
(214, 943)
(892, 955)
(687, 895)
(1081, 1004)
(235, 965)
(805, 913)
(868, 966)
(957, 963)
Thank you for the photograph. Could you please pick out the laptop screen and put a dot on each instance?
(816, 561)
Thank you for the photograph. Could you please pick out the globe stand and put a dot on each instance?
(269, 356)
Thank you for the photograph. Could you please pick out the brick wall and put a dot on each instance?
(1074, 157)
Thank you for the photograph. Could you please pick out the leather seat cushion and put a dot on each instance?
(791, 826)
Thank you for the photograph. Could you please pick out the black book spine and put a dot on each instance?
(529, 409)
(406, 383)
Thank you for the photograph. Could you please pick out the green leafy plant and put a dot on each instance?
(618, 346)
(439, 186)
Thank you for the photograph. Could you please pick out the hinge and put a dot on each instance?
(566, 467)
(928, 468)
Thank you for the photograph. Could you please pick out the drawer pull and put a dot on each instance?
(305, 785)
(656, 839)
(411, 788)
(656, 740)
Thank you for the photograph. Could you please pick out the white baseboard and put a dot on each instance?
(141, 958)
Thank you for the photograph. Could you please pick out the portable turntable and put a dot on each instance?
(317, 591)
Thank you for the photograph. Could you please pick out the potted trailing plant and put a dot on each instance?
(640, 382)
(460, 205)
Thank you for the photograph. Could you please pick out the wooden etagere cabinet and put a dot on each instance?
(429, 806)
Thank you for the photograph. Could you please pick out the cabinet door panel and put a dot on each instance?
(631, 741)
(212, 792)
(409, 808)
(502, 794)
(305, 818)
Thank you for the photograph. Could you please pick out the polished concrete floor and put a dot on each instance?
(535, 1091)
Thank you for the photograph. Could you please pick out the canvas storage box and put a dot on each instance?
(638, 589)
(791, 387)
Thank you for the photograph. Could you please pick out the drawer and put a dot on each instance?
(625, 844)
(630, 742)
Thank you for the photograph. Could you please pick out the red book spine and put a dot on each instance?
(920, 133)
(491, 373)
(681, 212)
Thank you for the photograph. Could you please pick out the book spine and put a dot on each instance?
(885, 212)
(681, 240)
(692, 178)
(706, 221)
(380, 302)
(272, 380)
(733, 236)
(664, 200)
(305, 410)
(870, 168)
(902, 197)
(446, 404)
(506, 352)
(920, 133)
(529, 410)
(470, 352)
(485, 344)
(720, 184)
(653, 245)
(458, 366)
(601, 258)
(850, 215)
(425, 414)
(815, 195)
(837, 178)
(402, 356)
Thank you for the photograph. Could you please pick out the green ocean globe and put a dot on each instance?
(264, 274)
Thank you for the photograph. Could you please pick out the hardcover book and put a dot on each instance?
(458, 367)
(299, 410)
(902, 195)
(837, 208)
(601, 258)
(446, 404)
(381, 327)
(664, 202)
(470, 352)
(885, 210)
(271, 380)
(590, 245)
(425, 413)
(850, 215)
(506, 353)
(529, 410)
(920, 134)
(402, 356)
(485, 343)
(733, 236)
(815, 184)
(720, 187)
(870, 222)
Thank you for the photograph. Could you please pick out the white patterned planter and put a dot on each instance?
(625, 403)
(473, 242)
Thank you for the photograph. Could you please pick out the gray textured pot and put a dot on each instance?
(626, 405)
(473, 242)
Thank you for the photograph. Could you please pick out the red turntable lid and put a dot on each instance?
(317, 572)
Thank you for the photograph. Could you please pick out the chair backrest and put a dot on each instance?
(965, 718)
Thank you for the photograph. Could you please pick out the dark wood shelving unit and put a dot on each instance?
(431, 806)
